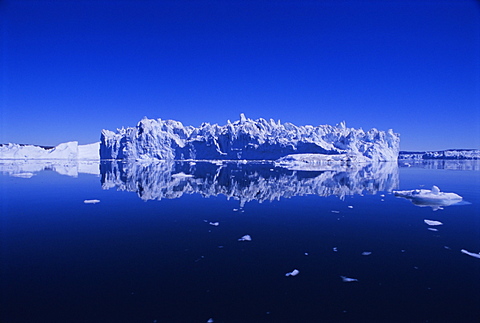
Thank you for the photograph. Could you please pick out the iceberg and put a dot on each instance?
(433, 198)
(348, 280)
(246, 139)
(472, 254)
(68, 151)
(295, 272)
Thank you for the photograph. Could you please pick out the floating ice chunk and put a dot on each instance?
(476, 255)
(335, 249)
(348, 280)
(246, 237)
(366, 253)
(383, 195)
(333, 211)
(433, 198)
(432, 222)
(350, 207)
(295, 272)
(433, 229)
(210, 320)
(91, 201)
(23, 175)
(181, 175)
(215, 224)
(306, 253)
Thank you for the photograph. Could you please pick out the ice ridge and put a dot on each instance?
(245, 139)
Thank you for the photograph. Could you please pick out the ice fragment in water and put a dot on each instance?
(215, 224)
(366, 253)
(350, 207)
(181, 175)
(295, 272)
(476, 255)
(246, 237)
(210, 320)
(91, 201)
(348, 280)
(432, 222)
(23, 175)
(333, 211)
(433, 229)
(335, 249)
(433, 198)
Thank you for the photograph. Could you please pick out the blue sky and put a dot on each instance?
(73, 68)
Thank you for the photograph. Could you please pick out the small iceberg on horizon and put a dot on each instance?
(433, 198)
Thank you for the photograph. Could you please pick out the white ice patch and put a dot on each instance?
(348, 280)
(246, 237)
(433, 198)
(181, 175)
(433, 229)
(334, 211)
(366, 253)
(335, 249)
(295, 272)
(91, 201)
(475, 255)
(23, 175)
(350, 207)
(215, 224)
(432, 222)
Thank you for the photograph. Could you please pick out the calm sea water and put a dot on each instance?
(162, 245)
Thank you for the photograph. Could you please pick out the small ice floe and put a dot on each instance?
(383, 195)
(210, 320)
(432, 222)
(181, 175)
(335, 249)
(306, 253)
(334, 211)
(433, 229)
(475, 255)
(295, 272)
(348, 280)
(23, 175)
(433, 198)
(91, 201)
(215, 224)
(235, 210)
(246, 237)
(366, 253)
(350, 206)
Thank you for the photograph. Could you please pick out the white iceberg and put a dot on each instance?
(247, 139)
(23, 175)
(68, 150)
(366, 253)
(475, 255)
(348, 280)
(295, 272)
(246, 237)
(215, 224)
(91, 201)
(433, 198)
(432, 222)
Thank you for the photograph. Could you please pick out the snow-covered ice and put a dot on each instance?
(246, 237)
(433, 198)
(91, 201)
(215, 224)
(181, 175)
(247, 139)
(432, 222)
(295, 272)
(23, 175)
(476, 255)
(348, 280)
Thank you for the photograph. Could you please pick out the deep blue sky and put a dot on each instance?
(72, 68)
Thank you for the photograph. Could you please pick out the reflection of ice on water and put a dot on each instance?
(26, 168)
(245, 181)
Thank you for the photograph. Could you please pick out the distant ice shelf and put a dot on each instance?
(246, 139)
(67, 151)
(442, 154)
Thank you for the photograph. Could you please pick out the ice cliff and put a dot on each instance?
(245, 139)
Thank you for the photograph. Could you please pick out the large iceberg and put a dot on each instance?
(245, 139)
(68, 151)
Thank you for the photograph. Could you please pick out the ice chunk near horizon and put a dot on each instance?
(91, 201)
(348, 280)
(181, 175)
(23, 175)
(433, 229)
(215, 224)
(295, 272)
(432, 222)
(246, 237)
(433, 198)
(475, 255)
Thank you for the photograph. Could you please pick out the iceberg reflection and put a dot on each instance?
(245, 181)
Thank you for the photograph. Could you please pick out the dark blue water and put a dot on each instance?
(148, 253)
